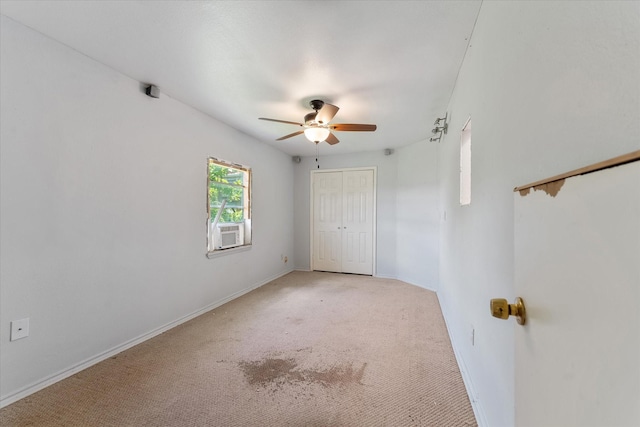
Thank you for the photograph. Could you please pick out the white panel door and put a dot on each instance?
(577, 267)
(327, 221)
(343, 221)
(357, 222)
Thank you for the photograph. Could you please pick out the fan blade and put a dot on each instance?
(326, 113)
(280, 121)
(353, 127)
(332, 140)
(290, 135)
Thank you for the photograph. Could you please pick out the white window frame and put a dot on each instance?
(212, 252)
(465, 164)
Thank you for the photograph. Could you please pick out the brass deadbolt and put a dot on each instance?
(501, 309)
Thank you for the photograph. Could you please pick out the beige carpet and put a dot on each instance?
(308, 349)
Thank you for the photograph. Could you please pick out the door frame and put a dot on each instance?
(375, 211)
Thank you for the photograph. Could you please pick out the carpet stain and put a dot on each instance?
(272, 371)
(337, 375)
(267, 371)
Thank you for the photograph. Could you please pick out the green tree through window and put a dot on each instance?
(229, 194)
(227, 184)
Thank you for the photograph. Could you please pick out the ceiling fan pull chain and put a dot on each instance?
(317, 152)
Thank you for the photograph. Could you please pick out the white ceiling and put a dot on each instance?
(392, 63)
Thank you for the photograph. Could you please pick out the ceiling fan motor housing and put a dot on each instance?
(316, 104)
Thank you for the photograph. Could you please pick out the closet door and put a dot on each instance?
(357, 222)
(343, 221)
(327, 221)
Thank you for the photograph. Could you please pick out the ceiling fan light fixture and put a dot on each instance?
(316, 127)
(316, 134)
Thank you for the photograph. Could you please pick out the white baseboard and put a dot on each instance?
(65, 373)
(414, 283)
(408, 281)
(476, 405)
(384, 276)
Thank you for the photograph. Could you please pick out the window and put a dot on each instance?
(465, 164)
(229, 205)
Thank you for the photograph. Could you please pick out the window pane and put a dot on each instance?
(226, 185)
(229, 196)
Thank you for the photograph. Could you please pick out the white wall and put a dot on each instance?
(551, 86)
(407, 210)
(417, 215)
(103, 210)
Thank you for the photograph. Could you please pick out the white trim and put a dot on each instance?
(311, 172)
(408, 282)
(223, 252)
(476, 404)
(465, 164)
(65, 373)
(374, 236)
(375, 222)
(466, 123)
(363, 168)
(411, 282)
(384, 276)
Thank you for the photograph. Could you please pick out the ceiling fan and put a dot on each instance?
(317, 127)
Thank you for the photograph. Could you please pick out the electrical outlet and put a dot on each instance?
(19, 329)
(285, 259)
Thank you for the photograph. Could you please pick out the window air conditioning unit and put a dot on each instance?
(228, 235)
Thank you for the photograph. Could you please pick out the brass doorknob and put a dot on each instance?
(501, 309)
